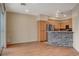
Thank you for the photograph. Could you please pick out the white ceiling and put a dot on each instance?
(48, 9)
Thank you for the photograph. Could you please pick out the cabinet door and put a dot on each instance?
(54, 23)
(66, 22)
(42, 30)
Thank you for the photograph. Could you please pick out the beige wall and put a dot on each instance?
(21, 28)
(75, 22)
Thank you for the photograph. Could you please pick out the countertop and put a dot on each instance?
(60, 31)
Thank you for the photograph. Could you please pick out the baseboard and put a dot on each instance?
(21, 42)
(76, 49)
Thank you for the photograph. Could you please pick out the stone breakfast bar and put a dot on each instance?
(60, 38)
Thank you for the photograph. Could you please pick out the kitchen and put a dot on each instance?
(56, 32)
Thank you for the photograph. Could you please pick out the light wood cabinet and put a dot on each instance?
(42, 34)
(55, 23)
(66, 22)
(42, 30)
(61, 24)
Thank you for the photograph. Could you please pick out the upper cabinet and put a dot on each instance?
(66, 22)
(61, 24)
(54, 23)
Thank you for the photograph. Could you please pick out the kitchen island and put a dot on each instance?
(60, 38)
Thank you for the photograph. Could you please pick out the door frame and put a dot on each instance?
(3, 17)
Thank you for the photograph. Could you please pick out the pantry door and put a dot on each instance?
(42, 31)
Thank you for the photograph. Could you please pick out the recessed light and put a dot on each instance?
(57, 15)
(64, 15)
(26, 10)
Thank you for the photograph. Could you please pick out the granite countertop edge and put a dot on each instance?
(59, 31)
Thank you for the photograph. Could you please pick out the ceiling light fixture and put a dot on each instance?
(64, 15)
(26, 10)
(59, 14)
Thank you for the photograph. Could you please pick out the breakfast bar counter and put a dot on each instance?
(60, 38)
